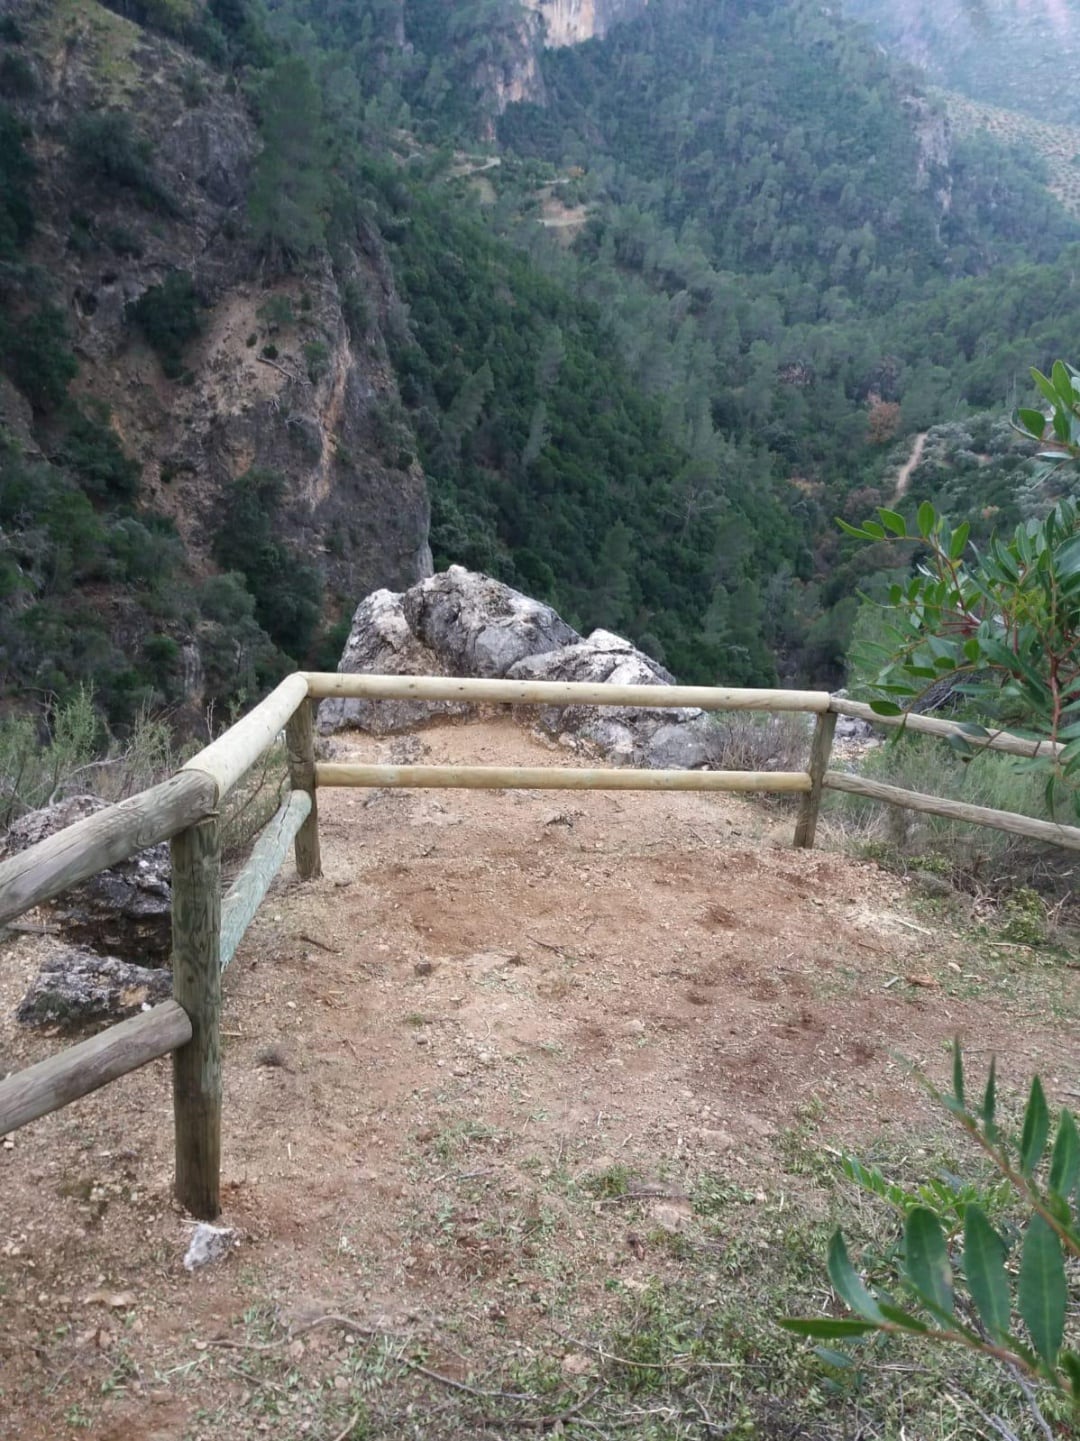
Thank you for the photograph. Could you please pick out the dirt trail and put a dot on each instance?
(486, 996)
(904, 474)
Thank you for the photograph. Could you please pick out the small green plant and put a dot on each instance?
(1005, 1293)
(609, 1183)
(277, 313)
(193, 88)
(1025, 918)
(168, 315)
(317, 356)
(123, 242)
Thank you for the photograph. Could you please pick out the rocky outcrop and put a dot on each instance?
(460, 623)
(682, 739)
(122, 912)
(76, 987)
(571, 22)
(289, 374)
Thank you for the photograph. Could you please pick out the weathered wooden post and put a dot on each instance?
(300, 740)
(196, 934)
(820, 751)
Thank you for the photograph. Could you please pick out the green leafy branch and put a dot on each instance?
(1058, 433)
(1001, 626)
(1015, 1314)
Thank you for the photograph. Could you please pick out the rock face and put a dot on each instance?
(289, 373)
(571, 22)
(460, 623)
(122, 912)
(75, 987)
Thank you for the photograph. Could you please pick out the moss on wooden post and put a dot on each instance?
(196, 928)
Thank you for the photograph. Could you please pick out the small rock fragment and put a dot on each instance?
(208, 1244)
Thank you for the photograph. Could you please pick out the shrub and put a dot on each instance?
(18, 78)
(93, 452)
(16, 174)
(974, 858)
(69, 751)
(36, 354)
(33, 768)
(107, 147)
(123, 242)
(276, 313)
(237, 655)
(756, 743)
(317, 356)
(356, 309)
(193, 88)
(168, 315)
(286, 588)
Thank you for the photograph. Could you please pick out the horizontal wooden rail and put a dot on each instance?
(934, 726)
(102, 840)
(245, 895)
(557, 778)
(322, 684)
(1067, 836)
(80, 1069)
(232, 754)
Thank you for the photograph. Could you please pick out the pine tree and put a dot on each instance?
(290, 191)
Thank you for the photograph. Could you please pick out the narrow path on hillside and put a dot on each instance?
(903, 477)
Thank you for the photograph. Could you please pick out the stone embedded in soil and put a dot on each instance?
(76, 987)
(209, 1244)
(121, 912)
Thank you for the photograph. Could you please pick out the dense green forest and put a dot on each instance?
(791, 259)
(783, 267)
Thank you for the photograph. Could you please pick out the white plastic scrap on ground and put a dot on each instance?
(209, 1243)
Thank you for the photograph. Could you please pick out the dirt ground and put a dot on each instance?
(473, 1078)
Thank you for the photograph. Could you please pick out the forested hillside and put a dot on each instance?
(277, 276)
(1021, 54)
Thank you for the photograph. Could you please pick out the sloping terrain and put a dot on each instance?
(1057, 145)
(532, 1109)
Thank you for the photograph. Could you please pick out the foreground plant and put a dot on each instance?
(965, 1283)
(1001, 626)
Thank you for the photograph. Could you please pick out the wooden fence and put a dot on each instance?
(207, 927)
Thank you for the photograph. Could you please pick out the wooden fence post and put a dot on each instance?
(820, 751)
(300, 740)
(196, 934)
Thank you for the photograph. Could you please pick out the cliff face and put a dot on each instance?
(571, 22)
(515, 74)
(288, 374)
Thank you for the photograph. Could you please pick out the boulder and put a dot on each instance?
(460, 623)
(122, 912)
(853, 728)
(382, 642)
(75, 987)
(681, 739)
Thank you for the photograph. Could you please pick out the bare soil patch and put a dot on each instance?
(479, 1079)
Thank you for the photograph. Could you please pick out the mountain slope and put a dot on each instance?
(1015, 54)
(253, 308)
